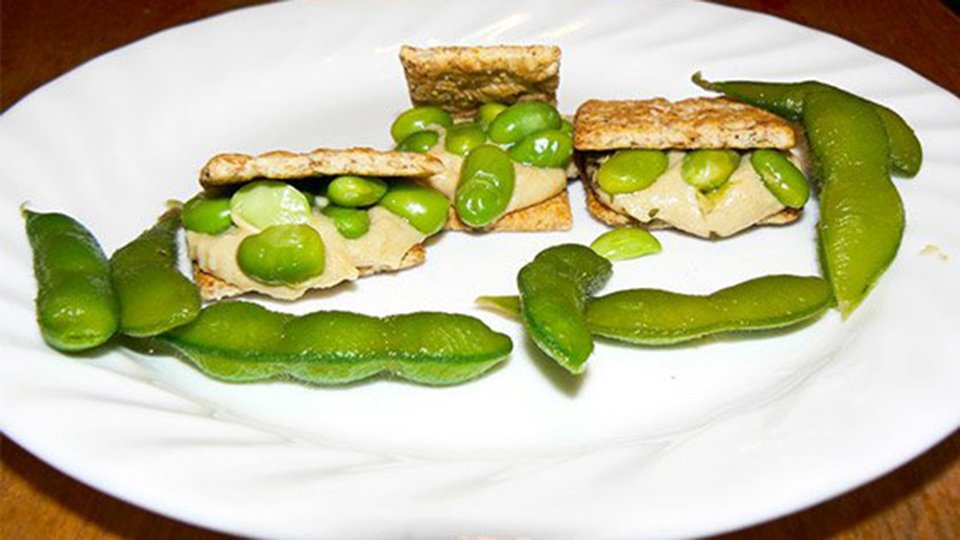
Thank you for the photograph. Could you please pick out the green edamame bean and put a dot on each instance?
(782, 177)
(425, 208)
(550, 148)
(707, 170)
(350, 222)
(76, 306)
(153, 295)
(420, 142)
(352, 191)
(567, 127)
(207, 215)
(265, 203)
(240, 341)
(282, 255)
(417, 119)
(626, 243)
(631, 170)
(522, 119)
(462, 138)
(487, 112)
(487, 180)
(553, 291)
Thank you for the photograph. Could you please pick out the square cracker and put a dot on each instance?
(460, 79)
(233, 169)
(687, 124)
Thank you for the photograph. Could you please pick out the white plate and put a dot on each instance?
(651, 442)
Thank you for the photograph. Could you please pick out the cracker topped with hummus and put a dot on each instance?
(708, 166)
(283, 223)
(488, 115)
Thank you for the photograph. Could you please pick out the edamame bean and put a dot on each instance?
(282, 255)
(781, 176)
(553, 290)
(240, 341)
(708, 169)
(353, 191)
(462, 138)
(487, 112)
(419, 119)
(522, 119)
(487, 180)
(153, 295)
(265, 203)
(550, 148)
(76, 306)
(207, 215)
(626, 243)
(420, 142)
(425, 208)
(567, 127)
(627, 171)
(350, 222)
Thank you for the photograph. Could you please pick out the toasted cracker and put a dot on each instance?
(687, 124)
(229, 169)
(213, 288)
(552, 214)
(460, 79)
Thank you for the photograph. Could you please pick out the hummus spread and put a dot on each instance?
(741, 202)
(382, 248)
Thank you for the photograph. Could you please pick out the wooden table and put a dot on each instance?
(43, 38)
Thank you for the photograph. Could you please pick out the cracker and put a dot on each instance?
(460, 79)
(687, 124)
(552, 214)
(231, 169)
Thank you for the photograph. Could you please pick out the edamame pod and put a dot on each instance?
(265, 203)
(550, 148)
(781, 176)
(76, 306)
(282, 255)
(350, 222)
(417, 119)
(487, 180)
(708, 169)
(487, 112)
(420, 142)
(352, 191)
(554, 289)
(153, 295)
(240, 341)
(207, 215)
(462, 138)
(522, 119)
(627, 171)
(425, 208)
(625, 243)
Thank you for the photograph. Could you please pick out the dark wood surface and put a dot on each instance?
(43, 38)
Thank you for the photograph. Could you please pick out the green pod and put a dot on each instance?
(627, 171)
(353, 191)
(242, 342)
(781, 177)
(350, 222)
(76, 306)
(420, 142)
(522, 119)
(462, 138)
(282, 255)
(626, 243)
(425, 208)
(417, 119)
(487, 112)
(554, 288)
(265, 203)
(487, 180)
(207, 215)
(153, 295)
(708, 169)
(550, 148)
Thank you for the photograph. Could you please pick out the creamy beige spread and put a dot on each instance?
(741, 202)
(390, 237)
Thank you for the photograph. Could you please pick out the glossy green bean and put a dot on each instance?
(708, 169)
(76, 306)
(265, 203)
(352, 223)
(423, 207)
(781, 176)
(522, 119)
(282, 255)
(417, 119)
(487, 112)
(353, 191)
(462, 138)
(420, 142)
(487, 181)
(627, 171)
(207, 214)
(625, 243)
(240, 342)
(549, 148)
(153, 295)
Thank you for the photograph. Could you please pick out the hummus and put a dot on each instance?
(390, 237)
(741, 202)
